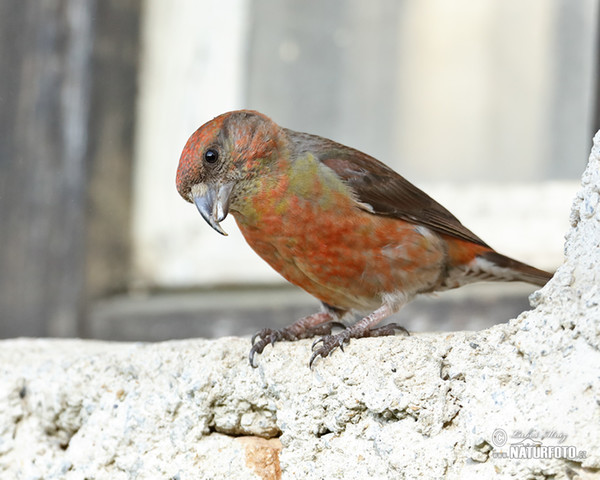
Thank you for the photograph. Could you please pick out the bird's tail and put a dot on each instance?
(491, 266)
(510, 270)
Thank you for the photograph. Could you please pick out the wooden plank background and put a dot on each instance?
(64, 173)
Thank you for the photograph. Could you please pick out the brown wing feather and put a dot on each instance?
(377, 185)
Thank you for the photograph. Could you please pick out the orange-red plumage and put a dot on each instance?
(334, 221)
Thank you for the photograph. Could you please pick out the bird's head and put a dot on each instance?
(229, 150)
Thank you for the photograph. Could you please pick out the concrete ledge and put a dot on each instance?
(509, 402)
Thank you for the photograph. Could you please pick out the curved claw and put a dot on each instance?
(320, 339)
(257, 334)
(251, 358)
(256, 348)
(313, 358)
(264, 336)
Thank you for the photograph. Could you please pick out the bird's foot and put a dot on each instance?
(304, 328)
(330, 342)
(385, 330)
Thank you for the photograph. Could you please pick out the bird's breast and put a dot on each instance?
(309, 227)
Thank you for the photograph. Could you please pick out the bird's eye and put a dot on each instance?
(211, 155)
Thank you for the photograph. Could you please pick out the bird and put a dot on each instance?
(334, 221)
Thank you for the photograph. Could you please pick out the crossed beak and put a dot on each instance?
(212, 201)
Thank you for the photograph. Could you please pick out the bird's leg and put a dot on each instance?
(362, 328)
(316, 324)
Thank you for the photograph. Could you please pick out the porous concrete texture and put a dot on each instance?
(508, 402)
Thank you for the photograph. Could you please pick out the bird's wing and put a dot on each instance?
(381, 189)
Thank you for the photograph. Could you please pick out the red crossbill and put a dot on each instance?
(334, 221)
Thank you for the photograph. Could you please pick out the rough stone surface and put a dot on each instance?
(426, 406)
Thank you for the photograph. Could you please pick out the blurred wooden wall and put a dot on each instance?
(64, 173)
